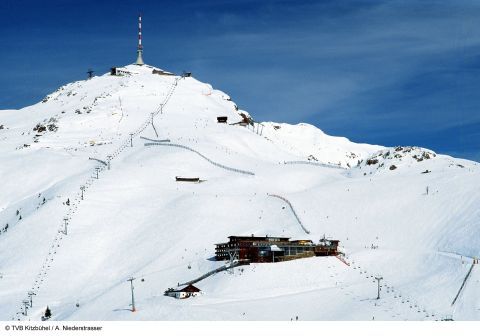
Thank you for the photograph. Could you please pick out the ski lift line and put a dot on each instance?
(293, 211)
(146, 275)
(208, 274)
(400, 296)
(343, 260)
(203, 156)
(319, 164)
(40, 277)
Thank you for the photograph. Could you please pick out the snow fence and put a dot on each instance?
(154, 140)
(293, 211)
(463, 284)
(246, 172)
(315, 164)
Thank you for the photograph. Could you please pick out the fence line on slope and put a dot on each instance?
(450, 253)
(154, 140)
(42, 273)
(98, 160)
(203, 156)
(293, 211)
(325, 165)
(154, 129)
(463, 284)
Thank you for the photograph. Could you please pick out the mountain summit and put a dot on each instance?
(91, 197)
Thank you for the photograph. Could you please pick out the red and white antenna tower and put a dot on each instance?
(140, 47)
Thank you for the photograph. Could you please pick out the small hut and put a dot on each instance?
(187, 179)
(183, 292)
(162, 72)
(222, 120)
(115, 71)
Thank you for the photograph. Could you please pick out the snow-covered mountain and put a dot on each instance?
(405, 213)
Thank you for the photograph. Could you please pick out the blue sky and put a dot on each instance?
(383, 72)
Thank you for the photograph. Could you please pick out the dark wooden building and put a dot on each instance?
(273, 249)
(222, 120)
(187, 179)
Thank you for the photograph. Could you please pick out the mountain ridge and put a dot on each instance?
(135, 220)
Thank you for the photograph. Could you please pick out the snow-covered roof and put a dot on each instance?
(275, 248)
(187, 288)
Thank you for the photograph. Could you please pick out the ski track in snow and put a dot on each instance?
(41, 275)
(136, 222)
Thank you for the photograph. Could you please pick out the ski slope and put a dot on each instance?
(135, 220)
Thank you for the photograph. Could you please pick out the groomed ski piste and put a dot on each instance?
(406, 214)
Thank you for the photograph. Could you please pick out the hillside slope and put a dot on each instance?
(135, 220)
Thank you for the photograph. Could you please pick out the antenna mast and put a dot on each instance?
(140, 47)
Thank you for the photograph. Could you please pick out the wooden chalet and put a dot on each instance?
(273, 249)
(183, 292)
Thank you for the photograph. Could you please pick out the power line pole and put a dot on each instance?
(378, 278)
(82, 188)
(131, 139)
(133, 298)
(96, 170)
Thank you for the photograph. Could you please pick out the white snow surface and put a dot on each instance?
(136, 220)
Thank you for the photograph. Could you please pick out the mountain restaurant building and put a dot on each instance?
(273, 249)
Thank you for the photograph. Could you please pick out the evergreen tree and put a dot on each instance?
(48, 313)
